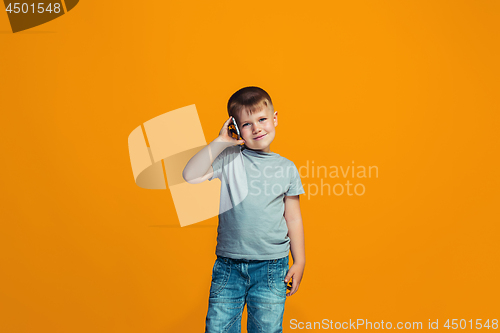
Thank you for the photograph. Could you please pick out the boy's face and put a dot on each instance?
(258, 129)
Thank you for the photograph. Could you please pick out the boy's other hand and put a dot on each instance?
(295, 273)
(225, 137)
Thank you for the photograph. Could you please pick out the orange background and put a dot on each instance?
(411, 87)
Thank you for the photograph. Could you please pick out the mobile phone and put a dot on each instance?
(234, 131)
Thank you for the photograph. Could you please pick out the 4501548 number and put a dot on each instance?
(25, 8)
(463, 324)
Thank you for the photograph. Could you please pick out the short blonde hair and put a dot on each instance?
(249, 99)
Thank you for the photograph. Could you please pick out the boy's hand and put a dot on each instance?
(295, 273)
(225, 137)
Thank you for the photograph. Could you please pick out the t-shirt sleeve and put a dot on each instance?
(295, 182)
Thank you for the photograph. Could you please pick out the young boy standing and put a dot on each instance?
(259, 219)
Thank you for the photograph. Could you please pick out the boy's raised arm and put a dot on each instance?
(200, 163)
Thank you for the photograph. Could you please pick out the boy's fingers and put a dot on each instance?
(295, 286)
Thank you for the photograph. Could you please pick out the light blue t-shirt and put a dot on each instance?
(253, 188)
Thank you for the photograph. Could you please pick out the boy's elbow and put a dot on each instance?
(189, 179)
(186, 176)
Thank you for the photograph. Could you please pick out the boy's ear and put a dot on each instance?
(275, 118)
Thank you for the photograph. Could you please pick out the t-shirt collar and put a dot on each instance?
(258, 153)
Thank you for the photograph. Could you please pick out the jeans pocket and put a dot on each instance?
(277, 270)
(220, 276)
(286, 268)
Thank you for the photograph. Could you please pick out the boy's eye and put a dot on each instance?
(247, 123)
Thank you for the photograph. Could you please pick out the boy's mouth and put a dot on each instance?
(260, 137)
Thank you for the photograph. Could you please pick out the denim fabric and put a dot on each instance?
(257, 283)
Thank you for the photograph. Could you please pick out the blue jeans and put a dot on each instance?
(257, 283)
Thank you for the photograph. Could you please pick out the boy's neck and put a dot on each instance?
(265, 150)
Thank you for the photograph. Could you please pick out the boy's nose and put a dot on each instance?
(256, 129)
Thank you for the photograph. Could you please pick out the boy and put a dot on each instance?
(259, 219)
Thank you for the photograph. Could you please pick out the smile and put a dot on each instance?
(260, 137)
